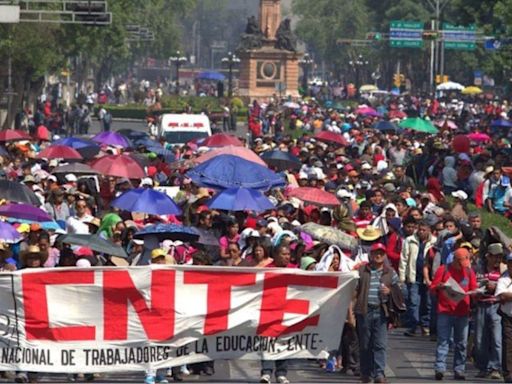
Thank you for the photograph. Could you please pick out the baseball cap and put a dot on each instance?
(460, 195)
(495, 249)
(366, 166)
(70, 178)
(377, 247)
(158, 252)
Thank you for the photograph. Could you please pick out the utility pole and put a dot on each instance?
(437, 46)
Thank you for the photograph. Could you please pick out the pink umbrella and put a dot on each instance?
(220, 140)
(367, 111)
(479, 137)
(242, 152)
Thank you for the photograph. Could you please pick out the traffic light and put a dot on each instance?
(430, 35)
(90, 12)
(397, 80)
(376, 36)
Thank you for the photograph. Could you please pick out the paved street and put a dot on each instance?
(410, 360)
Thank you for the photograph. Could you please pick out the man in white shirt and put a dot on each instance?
(504, 294)
(78, 223)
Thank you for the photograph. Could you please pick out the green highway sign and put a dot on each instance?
(459, 37)
(406, 34)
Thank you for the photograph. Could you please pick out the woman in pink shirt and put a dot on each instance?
(232, 236)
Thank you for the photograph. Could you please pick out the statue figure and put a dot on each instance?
(253, 37)
(286, 40)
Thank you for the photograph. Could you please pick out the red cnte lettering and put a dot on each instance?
(35, 303)
(218, 302)
(274, 303)
(157, 319)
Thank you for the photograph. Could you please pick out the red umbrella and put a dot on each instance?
(314, 196)
(118, 165)
(221, 140)
(59, 152)
(331, 137)
(14, 135)
(244, 153)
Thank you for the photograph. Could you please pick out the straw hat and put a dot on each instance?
(370, 233)
(33, 250)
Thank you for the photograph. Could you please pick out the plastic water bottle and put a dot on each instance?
(331, 364)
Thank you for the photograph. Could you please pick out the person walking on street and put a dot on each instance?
(453, 312)
(504, 294)
(376, 280)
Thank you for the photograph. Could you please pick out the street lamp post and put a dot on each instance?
(357, 64)
(178, 59)
(305, 62)
(230, 60)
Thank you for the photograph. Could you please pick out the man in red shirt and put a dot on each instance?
(453, 311)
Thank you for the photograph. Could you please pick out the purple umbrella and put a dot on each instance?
(111, 138)
(8, 234)
(24, 212)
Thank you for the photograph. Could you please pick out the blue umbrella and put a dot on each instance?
(241, 199)
(86, 148)
(148, 201)
(281, 160)
(211, 75)
(168, 156)
(168, 232)
(501, 123)
(385, 125)
(146, 142)
(228, 171)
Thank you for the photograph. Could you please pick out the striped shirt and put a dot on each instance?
(374, 289)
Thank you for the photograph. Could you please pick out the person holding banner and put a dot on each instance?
(376, 281)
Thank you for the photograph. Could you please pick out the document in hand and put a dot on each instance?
(454, 291)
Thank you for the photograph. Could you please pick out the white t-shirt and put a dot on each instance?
(78, 225)
(505, 285)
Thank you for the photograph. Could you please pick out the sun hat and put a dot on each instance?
(370, 233)
(33, 250)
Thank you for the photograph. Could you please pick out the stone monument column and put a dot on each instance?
(270, 17)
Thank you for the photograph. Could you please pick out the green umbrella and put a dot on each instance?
(419, 125)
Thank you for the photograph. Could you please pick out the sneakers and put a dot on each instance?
(283, 380)
(439, 376)
(459, 376)
(161, 379)
(495, 375)
(150, 379)
(425, 331)
(265, 379)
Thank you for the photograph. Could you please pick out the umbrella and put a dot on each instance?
(368, 88)
(118, 165)
(3, 152)
(95, 242)
(132, 134)
(367, 111)
(450, 86)
(479, 137)
(228, 171)
(207, 238)
(168, 232)
(211, 75)
(330, 235)
(331, 137)
(76, 168)
(146, 142)
(59, 152)
(471, 90)
(8, 234)
(385, 125)
(244, 153)
(14, 135)
(441, 123)
(291, 105)
(25, 212)
(46, 225)
(241, 199)
(419, 125)
(17, 192)
(501, 123)
(168, 156)
(84, 147)
(314, 196)
(220, 140)
(112, 138)
(281, 160)
(148, 201)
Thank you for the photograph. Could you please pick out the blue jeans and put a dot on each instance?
(268, 365)
(372, 330)
(487, 337)
(445, 325)
(418, 306)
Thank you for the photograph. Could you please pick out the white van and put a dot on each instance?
(181, 128)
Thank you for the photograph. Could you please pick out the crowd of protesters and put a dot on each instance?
(424, 260)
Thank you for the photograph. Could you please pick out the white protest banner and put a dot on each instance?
(73, 320)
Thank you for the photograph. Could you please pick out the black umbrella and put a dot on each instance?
(94, 242)
(133, 135)
(281, 160)
(18, 192)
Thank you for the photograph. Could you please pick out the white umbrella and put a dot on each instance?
(450, 86)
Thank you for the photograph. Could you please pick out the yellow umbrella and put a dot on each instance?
(368, 88)
(471, 90)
